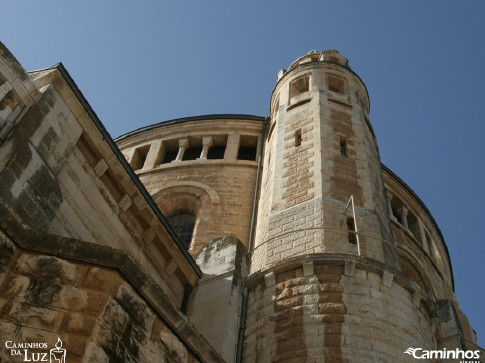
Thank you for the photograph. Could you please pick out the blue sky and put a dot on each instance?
(138, 63)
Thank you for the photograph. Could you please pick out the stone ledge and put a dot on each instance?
(204, 163)
(364, 263)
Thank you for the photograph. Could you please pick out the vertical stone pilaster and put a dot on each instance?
(404, 216)
(389, 200)
(154, 156)
(232, 147)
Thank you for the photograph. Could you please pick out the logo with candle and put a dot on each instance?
(58, 354)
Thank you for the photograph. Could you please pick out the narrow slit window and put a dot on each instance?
(351, 237)
(298, 137)
(343, 148)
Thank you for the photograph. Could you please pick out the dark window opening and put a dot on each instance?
(247, 153)
(299, 86)
(343, 148)
(298, 137)
(183, 226)
(192, 153)
(336, 84)
(139, 157)
(396, 215)
(170, 155)
(216, 152)
(351, 237)
(413, 225)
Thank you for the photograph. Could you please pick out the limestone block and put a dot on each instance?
(7, 250)
(94, 354)
(176, 350)
(135, 306)
(148, 236)
(78, 324)
(49, 267)
(75, 345)
(125, 202)
(387, 279)
(8, 330)
(28, 334)
(100, 168)
(171, 267)
(108, 341)
(349, 269)
(115, 317)
(16, 288)
(34, 316)
(99, 279)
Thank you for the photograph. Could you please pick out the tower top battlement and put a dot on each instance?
(331, 55)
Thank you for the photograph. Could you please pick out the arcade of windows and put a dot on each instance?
(194, 148)
(401, 214)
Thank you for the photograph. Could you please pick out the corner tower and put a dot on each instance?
(325, 279)
(320, 153)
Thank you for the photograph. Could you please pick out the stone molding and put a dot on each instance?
(360, 262)
(210, 191)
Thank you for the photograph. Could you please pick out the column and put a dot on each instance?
(404, 216)
(183, 145)
(206, 144)
(389, 199)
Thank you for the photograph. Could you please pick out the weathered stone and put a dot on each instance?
(134, 306)
(15, 288)
(99, 279)
(115, 317)
(7, 251)
(77, 323)
(49, 268)
(93, 354)
(35, 317)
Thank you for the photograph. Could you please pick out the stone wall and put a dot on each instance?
(98, 315)
(334, 311)
(314, 227)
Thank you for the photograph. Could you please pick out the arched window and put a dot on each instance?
(183, 225)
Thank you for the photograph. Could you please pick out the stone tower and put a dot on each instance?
(320, 150)
(326, 280)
